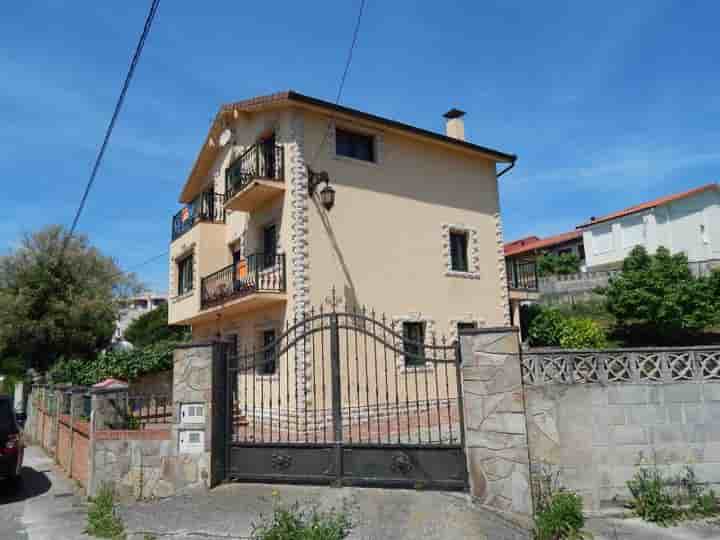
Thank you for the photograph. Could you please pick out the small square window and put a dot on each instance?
(354, 145)
(458, 251)
(414, 343)
(185, 275)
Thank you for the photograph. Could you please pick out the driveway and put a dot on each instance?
(45, 507)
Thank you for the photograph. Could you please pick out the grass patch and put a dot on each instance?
(558, 511)
(666, 500)
(308, 522)
(102, 521)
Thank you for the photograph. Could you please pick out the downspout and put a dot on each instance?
(507, 169)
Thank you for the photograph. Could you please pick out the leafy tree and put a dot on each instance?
(152, 327)
(58, 298)
(549, 264)
(660, 290)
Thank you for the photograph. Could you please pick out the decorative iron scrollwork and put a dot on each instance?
(401, 463)
(281, 462)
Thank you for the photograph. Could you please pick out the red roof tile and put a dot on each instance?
(650, 204)
(531, 243)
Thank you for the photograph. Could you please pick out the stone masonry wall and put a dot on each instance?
(495, 433)
(148, 463)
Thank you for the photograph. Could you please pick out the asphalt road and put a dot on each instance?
(44, 506)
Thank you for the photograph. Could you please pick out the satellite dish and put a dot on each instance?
(225, 137)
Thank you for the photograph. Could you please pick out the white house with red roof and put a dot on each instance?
(687, 222)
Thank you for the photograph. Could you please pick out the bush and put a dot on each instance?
(550, 328)
(545, 328)
(125, 364)
(296, 523)
(578, 333)
(101, 519)
(152, 327)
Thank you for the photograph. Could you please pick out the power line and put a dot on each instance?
(344, 76)
(98, 160)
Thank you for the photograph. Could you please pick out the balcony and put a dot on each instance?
(255, 280)
(205, 208)
(522, 275)
(255, 178)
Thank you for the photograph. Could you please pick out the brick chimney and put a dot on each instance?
(454, 124)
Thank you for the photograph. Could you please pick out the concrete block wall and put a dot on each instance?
(597, 434)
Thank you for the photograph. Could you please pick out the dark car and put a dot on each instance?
(11, 441)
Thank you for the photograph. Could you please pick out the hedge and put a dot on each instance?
(126, 365)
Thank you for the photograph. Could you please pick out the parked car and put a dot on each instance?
(12, 447)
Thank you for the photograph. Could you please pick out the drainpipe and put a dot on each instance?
(507, 169)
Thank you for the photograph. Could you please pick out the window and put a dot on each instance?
(602, 240)
(354, 145)
(269, 245)
(414, 343)
(458, 251)
(268, 366)
(633, 232)
(185, 275)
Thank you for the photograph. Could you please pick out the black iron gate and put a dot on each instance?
(346, 398)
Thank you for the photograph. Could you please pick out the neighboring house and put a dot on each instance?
(133, 307)
(521, 266)
(408, 224)
(687, 222)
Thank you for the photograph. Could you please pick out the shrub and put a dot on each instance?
(545, 328)
(101, 519)
(296, 523)
(550, 328)
(579, 333)
(125, 364)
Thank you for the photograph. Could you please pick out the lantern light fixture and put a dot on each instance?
(327, 194)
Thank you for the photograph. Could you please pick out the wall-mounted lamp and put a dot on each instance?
(327, 194)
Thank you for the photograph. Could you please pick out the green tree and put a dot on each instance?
(152, 327)
(660, 290)
(58, 298)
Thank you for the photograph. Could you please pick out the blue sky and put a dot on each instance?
(607, 104)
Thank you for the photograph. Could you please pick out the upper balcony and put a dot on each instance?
(256, 177)
(205, 208)
(522, 276)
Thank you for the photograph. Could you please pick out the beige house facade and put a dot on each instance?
(413, 235)
(385, 244)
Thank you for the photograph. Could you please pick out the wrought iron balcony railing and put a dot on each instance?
(207, 207)
(260, 161)
(522, 275)
(260, 272)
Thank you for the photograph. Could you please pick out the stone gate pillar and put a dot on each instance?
(495, 425)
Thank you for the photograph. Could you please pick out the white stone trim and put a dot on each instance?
(473, 250)
(502, 269)
(429, 335)
(299, 252)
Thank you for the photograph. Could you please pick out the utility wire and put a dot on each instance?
(343, 78)
(98, 160)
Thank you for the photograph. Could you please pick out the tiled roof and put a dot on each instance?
(532, 243)
(650, 204)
